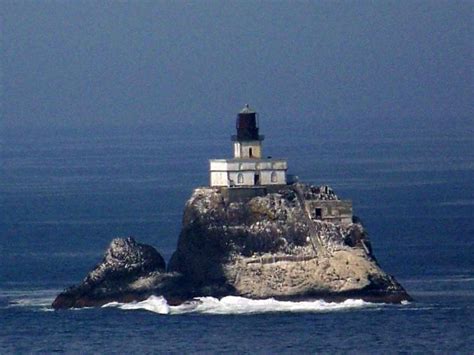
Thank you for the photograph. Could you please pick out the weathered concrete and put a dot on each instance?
(247, 168)
(335, 211)
(241, 172)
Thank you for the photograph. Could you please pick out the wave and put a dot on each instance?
(33, 299)
(441, 279)
(238, 305)
(457, 203)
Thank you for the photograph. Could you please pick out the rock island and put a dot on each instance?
(255, 232)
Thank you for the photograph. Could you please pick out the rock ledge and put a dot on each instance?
(263, 247)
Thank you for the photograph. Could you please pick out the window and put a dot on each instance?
(240, 179)
(318, 213)
(250, 152)
(273, 177)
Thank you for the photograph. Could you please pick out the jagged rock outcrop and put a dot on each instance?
(129, 271)
(270, 247)
(261, 247)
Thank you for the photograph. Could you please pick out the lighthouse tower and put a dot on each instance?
(247, 169)
(247, 141)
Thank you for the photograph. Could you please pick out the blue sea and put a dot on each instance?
(66, 193)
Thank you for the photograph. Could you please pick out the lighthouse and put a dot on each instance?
(247, 169)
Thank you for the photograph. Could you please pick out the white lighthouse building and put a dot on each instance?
(247, 169)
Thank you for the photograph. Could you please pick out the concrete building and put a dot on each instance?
(334, 211)
(248, 175)
(247, 169)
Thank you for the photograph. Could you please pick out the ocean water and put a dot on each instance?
(66, 194)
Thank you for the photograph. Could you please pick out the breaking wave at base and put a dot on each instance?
(238, 305)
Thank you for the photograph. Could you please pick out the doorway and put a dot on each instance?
(318, 213)
(256, 179)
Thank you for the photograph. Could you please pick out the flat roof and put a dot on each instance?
(249, 160)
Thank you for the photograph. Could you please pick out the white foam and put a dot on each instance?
(238, 305)
(153, 304)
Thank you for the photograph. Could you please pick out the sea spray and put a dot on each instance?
(238, 305)
(153, 304)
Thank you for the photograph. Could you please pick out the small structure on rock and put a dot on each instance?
(321, 203)
(247, 169)
(248, 175)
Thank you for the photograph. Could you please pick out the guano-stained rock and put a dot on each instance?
(266, 246)
(269, 247)
(129, 271)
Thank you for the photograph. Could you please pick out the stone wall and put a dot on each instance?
(241, 194)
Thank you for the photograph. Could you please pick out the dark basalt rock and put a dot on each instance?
(263, 247)
(129, 271)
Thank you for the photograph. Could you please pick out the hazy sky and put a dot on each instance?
(140, 63)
